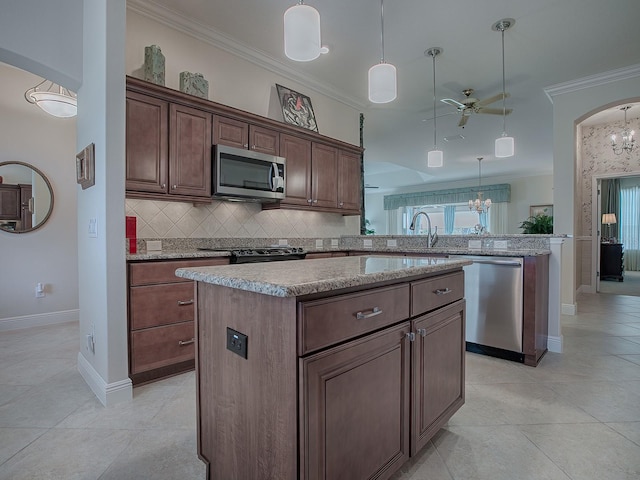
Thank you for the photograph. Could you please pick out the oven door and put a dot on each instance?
(247, 174)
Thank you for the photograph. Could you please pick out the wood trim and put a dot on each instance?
(535, 320)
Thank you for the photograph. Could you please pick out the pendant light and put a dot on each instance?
(53, 99)
(382, 77)
(302, 33)
(504, 144)
(480, 205)
(628, 142)
(435, 157)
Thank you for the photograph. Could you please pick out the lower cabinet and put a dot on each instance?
(161, 318)
(342, 385)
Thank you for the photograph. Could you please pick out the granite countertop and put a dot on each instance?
(190, 253)
(292, 279)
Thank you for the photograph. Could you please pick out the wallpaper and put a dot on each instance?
(158, 219)
(598, 159)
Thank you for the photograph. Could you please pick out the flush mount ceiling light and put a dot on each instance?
(302, 33)
(504, 144)
(628, 142)
(382, 77)
(435, 157)
(53, 99)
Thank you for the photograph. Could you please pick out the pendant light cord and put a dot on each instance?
(382, 29)
(434, 100)
(504, 100)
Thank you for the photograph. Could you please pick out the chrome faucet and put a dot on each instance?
(431, 238)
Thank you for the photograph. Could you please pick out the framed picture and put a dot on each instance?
(296, 108)
(535, 210)
(85, 167)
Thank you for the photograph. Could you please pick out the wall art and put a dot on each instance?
(85, 167)
(296, 108)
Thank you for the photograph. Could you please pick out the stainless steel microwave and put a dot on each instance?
(247, 175)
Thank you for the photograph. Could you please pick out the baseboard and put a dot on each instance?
(586, 289)
(39, 320)
(107, 393)
(569, 309)
(554, 344)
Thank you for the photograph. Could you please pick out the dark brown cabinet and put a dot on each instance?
(343, 385)
(611, 261)
(324, 176)
(297, 151)
(239, 134)
(9, 202)
(161, 318)
(168, 149)
(370, 440)
(26, 206)
(349, 183)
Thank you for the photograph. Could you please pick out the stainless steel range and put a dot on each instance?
(263, 254)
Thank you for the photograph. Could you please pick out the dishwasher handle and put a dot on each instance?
(504, 263)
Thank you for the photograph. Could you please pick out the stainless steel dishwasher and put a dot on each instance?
(493, 291)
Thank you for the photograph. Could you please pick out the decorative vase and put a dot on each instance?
(154, 65)
(194, 84)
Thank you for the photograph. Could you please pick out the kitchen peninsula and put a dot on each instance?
(326, 368)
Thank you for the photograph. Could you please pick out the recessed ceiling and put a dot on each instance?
(551, 42)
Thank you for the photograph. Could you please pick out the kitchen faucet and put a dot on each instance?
(431, 239)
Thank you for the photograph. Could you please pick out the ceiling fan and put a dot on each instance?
(472, 105)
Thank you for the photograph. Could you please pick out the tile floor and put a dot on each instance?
(576, 416)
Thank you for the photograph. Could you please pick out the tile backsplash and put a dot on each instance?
(157, 219)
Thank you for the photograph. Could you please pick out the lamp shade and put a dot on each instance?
(608, 218)
(435, 158)
(55, 104)
(302, 33)
(382, 83)
(505, 146)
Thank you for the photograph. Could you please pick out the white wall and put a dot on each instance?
(572, 103)
(49, 254)
(525, 191)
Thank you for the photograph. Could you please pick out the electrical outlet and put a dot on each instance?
(93, 228)
(237, 342)
(367, 243)
(392, 243)
(500, 244)
(475, 244)
(319, 243)
(334, 243)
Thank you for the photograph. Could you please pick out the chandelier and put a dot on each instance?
(53, 99)
(628, 142)
(480, 205)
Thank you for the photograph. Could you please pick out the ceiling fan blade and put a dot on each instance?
(453, 103)
(489, 100)
(494, 111)
(463, 120)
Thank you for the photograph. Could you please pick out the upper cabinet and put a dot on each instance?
(235, 133)
(169, 139)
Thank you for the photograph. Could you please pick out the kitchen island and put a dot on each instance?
(327, 368)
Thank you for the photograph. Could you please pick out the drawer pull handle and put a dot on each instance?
(411, 336)
(422, 332)
(183, 303)
(374, 311)
(182, 343)
(443, 291)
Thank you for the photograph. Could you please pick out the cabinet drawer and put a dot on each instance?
(427, 295)
(331, 320)
(164, 272)
(156, 305)
(161, 346)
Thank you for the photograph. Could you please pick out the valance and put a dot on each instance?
(497, 193)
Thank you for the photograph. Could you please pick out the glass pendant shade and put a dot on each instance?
(505, 146)
(435, 158)
(302, 33)
(382, 83)
(53, 99)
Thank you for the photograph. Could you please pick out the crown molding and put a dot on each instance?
(184, 24)
(611, 76)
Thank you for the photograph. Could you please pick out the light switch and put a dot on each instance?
(319, 243)
(367, 243)
(334, 243)
(93, 228)
(500, 244)
(475, 244)
(392, 243)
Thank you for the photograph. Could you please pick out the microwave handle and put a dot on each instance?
(273, 172)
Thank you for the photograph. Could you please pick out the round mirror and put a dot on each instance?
(26, 197)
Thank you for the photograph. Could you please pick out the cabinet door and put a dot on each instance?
(297, 152)
(26, 206)
(438, 371)
(349, 183)
(324, 175)
(230, 132)
(264, 140)
(9, 202)
(354, 412)
(147, 144)
(190, 157)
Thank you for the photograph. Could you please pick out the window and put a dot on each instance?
(462, 223)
